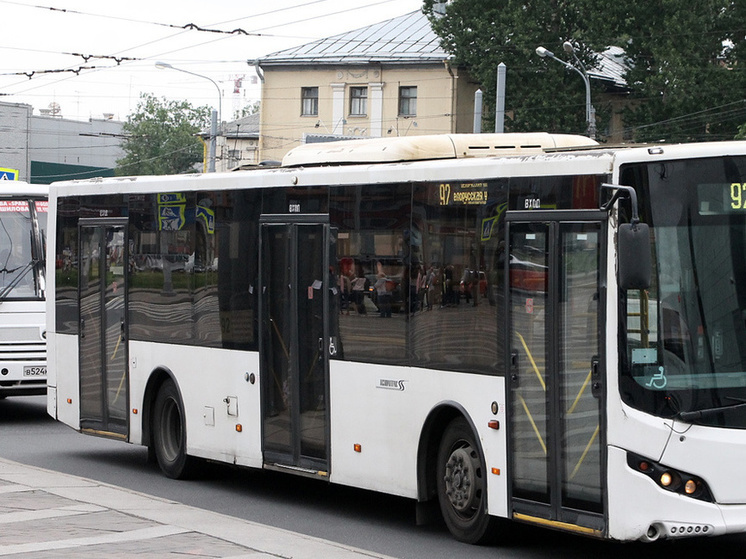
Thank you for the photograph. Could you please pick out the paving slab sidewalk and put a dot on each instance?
(46, 515)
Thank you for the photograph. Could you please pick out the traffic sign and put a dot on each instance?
(8, 174)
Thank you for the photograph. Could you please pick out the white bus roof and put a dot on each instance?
(22, 188)
(419, 148)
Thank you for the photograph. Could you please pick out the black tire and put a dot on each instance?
(169, 433)
(462, 486)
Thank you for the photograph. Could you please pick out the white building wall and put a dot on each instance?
(92, 143)
(14, 138)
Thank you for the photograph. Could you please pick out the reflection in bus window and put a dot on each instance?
(434, 277)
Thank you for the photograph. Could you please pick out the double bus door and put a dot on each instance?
(556, 390)
(102, 311)
(297, 298)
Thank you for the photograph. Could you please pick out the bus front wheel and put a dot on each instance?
(169, 433)
(462, 485)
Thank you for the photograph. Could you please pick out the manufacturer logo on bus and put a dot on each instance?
(390, 384)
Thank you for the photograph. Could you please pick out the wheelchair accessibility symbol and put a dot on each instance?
(658, 380)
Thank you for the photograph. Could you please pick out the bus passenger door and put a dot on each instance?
(295, 343)
(102, 311)
(555, 383)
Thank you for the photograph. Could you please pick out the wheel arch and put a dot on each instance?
(155, 381)
(427, 451)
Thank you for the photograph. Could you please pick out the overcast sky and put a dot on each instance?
(123, 39)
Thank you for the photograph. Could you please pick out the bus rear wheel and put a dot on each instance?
(462, 485)
(169, 433)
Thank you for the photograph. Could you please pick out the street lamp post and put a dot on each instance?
(590, 112)
(216, 117)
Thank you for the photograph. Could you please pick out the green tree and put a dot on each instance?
(685, 78)
(161, 137)
(683, 57)
(541, 94)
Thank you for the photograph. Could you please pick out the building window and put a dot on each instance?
(408, 101)
(309, 101)
(358, 101)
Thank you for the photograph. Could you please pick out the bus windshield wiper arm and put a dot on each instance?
(699, 414)
(8, 288)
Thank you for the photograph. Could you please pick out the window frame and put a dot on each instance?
(358, 100)
(309, 104)
(410, 101)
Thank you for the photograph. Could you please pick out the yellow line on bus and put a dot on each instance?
(582, 389)
(533, 424)
(557, 524)
(533, 363)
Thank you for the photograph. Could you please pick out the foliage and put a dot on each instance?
(250, 109)
(161, 137)
(541, 94)
(741, 132)
(685, 83)
(685, 76)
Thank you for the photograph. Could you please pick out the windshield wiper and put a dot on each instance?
(5, 291)
(700, 414)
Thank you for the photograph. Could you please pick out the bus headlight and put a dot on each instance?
(670, 479)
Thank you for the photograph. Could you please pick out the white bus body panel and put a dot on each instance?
(22, 331)
(216, 394)
(384, 408)
(64, 348)
(636, 503)
(718, 456)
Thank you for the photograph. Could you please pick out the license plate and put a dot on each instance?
(34, 371)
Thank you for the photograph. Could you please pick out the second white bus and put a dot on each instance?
(23, 220)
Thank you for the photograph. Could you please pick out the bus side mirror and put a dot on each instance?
(633, 248)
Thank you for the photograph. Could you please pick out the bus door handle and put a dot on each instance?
(82, 327)
(596, 384)
(514, 368)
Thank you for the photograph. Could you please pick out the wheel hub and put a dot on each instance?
(459, 478)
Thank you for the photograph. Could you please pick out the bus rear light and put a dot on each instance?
(670, 479)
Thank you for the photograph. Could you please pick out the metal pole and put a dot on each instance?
(213, 141)
(500, 100)
(590, 112)
(477, 111)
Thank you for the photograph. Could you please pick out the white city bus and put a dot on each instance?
(498, 327)
(23, 356)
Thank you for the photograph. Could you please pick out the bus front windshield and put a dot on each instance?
(21, 256)
(683, 341)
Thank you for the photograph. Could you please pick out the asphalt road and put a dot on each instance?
(360, 518)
